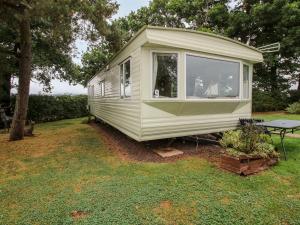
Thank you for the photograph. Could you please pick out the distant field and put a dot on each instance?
(66, 175)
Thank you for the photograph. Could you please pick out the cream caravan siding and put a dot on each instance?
(158, 123)
(191, 40)
(165, 118)
(143, 118)
(123, 114)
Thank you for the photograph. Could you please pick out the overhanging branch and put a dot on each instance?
(16, 6)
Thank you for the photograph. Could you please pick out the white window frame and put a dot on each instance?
(151, 72)
(123, 73)
(209, 56)
(92, 91)
(250, 80)
(102, 88)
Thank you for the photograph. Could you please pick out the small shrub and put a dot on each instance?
(294, 108)
(232, 139)
(250, 141)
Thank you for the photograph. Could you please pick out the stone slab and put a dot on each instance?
(167, 152)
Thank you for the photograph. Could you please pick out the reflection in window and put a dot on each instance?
(92, 91)
(245, 81)
(102, 88)
(121, 81)
(211, 78)
(164, 75)
(125, 80)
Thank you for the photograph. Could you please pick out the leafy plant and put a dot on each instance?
(294, 108)
(250, 141)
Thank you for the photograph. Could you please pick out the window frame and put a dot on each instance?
(151, 73)
(250, 66)
(102, 92)
(92, 91)
(123, 73)
(209, 56)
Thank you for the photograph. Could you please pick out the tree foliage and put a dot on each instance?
(43, 32)
(253, 22)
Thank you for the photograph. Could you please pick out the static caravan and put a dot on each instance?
(168, 82)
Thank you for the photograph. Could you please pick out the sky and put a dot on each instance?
(126, 6)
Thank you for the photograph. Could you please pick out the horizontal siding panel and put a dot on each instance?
(119, 123)
(124, 118)
(191, 119)
(188, 127)
(155, 136)
(120, 113)
(132, 132)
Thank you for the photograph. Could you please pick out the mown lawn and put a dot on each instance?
(67, 168)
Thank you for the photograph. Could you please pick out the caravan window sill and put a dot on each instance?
(196, 100)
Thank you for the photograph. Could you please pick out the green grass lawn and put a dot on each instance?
(67, 168)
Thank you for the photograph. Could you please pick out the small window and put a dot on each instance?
(102, 88)
(211, 78)
(246, 83)
(125, 79)
(92, 91)
(121, 81)
(164, 77)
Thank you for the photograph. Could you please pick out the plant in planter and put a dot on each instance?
(248, 150)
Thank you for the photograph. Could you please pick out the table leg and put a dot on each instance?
(282, 135)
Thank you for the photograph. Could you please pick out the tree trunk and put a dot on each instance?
(299, 82)
(20, 114)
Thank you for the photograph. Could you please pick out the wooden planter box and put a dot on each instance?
(246, 165)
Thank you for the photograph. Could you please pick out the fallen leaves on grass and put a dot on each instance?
(79, 214)
(175, 214)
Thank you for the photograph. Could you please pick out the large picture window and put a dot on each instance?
(211, 78)
(164, 83)
(125, 79)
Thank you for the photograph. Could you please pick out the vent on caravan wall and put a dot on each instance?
(275, 47)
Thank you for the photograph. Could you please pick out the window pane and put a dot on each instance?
(127, 80)
(92, 91)
(121, 81)
(102, 89)
(211, 78)
(164, 75)
(245, 81)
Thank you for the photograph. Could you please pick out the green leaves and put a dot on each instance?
(92, 62)
(55, 25)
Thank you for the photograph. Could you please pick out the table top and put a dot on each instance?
(285, 124)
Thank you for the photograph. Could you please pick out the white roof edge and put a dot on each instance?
(203, 33)
(171, 29)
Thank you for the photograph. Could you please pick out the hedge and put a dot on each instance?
(44, 108)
